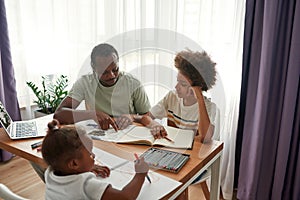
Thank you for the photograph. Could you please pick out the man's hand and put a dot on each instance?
(105, 120)
(102, 171)
(124, 121)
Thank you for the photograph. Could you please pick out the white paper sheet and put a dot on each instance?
(160, 186)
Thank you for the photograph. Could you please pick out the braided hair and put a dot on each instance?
(61, 144)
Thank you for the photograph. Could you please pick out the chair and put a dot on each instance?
(207, 174)
(7, 194)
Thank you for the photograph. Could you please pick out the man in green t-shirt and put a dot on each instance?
(111, 96)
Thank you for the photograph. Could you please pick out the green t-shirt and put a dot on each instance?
(127, 96)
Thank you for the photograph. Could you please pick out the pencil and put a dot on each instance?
(119, 165)
(168, 139)
(137, 157)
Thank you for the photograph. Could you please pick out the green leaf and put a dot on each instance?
(51, 94)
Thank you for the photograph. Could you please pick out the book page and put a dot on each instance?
(111, 135)
(96, 133)
(182, 138)
(138, 135)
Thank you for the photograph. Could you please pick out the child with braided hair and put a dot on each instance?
(72, 173)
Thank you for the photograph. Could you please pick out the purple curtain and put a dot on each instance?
(8, 94)
(269, 117)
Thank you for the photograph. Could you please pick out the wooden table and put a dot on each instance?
(202, 156)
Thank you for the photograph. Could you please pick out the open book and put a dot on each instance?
(141, 135)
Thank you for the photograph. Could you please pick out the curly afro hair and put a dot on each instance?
(198, 67)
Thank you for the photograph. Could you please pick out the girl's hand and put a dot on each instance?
(141, 166)
(102, 171)
(158, 131)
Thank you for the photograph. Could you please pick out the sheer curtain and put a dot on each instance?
(57, 36)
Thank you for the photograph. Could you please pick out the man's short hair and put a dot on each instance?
(104, 50)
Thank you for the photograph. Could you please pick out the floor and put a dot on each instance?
(18, 175)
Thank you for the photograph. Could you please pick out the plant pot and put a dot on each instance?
(38, 113)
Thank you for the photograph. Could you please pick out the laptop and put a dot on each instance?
(23, 129)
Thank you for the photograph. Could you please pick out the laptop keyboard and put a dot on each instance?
(26, 129)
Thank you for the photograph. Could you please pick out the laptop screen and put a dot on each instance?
(4, 117)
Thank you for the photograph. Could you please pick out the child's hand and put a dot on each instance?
(158, 131)
(102, 171)
(141, 166)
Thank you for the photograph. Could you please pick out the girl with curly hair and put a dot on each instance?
(186, 107)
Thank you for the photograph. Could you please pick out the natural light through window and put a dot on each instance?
(54, 37)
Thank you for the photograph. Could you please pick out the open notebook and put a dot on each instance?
(123, 170)
(141, 135)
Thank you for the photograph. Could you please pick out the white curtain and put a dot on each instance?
(56, 37)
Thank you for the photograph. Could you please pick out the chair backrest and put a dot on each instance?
(7, 194)
(217, 130)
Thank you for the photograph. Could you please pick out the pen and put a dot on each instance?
(137, 157)
(37, 144)
(168, 139)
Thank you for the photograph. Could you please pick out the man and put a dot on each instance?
(110, 95)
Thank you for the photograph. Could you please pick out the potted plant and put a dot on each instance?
(51, 94)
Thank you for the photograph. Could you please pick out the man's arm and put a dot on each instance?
(66, 113)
